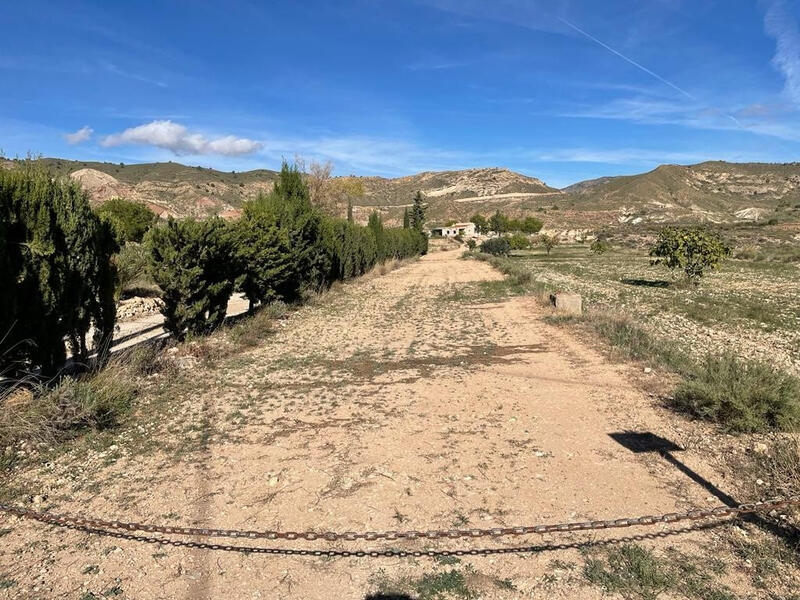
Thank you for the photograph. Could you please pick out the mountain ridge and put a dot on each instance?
(712, 191)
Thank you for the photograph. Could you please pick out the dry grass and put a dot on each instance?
(46, 415)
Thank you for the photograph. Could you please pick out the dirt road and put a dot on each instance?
(389, 404)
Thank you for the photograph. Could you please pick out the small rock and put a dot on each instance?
(648, 370)
(760, 448)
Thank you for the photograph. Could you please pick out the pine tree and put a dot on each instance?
(406, 218)
(289, 207)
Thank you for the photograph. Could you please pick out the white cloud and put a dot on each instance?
(779, 23)
(180, 141)
(80, 136)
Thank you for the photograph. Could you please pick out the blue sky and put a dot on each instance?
(562, 90)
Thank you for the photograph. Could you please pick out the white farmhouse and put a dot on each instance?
(464, 229)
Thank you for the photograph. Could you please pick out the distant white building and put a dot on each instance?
(465, 229)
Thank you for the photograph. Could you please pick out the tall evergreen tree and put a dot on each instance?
(262, 254)
(417, 217)
(58, 280)
(375, 225)
(289, 207)
(191, 261)
(406, 218)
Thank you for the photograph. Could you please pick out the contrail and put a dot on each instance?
(623, 57)
(648, 71)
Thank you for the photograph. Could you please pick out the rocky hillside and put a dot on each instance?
(457, 194)
(167, 188)
(707, 192)
(710, 191)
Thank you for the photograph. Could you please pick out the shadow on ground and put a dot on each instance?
(646, 441)
(656, 283)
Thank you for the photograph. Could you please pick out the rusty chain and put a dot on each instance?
(674, 517)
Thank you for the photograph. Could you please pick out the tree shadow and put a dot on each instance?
(388, 597)
(139, 292)
(654, 283)
(646, 441)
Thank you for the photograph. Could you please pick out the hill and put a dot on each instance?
(457, 195)
(168, 188)
(718, 192)
(710, 191)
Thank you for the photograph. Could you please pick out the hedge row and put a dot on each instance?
(279, 248)
(56, 276)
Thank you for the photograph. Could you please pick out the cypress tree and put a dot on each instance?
(289, 207)
(58, 280)
(191, 261)
(262, 253)
(375, 225)
(417, 218)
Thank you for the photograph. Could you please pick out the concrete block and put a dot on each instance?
(570, 304)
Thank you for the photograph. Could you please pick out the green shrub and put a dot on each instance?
(471, 244)
(481, 224)
(496, 246)
(694, 250)
(499, 223)
(132, 263)
(191, 261)
(130, 220)
(741, 396)
(404, 243)
(548, 242)
(519, 241)
(350, 249)
(600, 247)
(56, 277)
(531, 225)
(262, 254)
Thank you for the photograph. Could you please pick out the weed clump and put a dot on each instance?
(743, 396)
(630, 571)
(95, 401)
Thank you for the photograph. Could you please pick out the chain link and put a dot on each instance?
(331, 536)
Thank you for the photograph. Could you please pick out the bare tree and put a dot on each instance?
(344, 192)
(319, 181)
